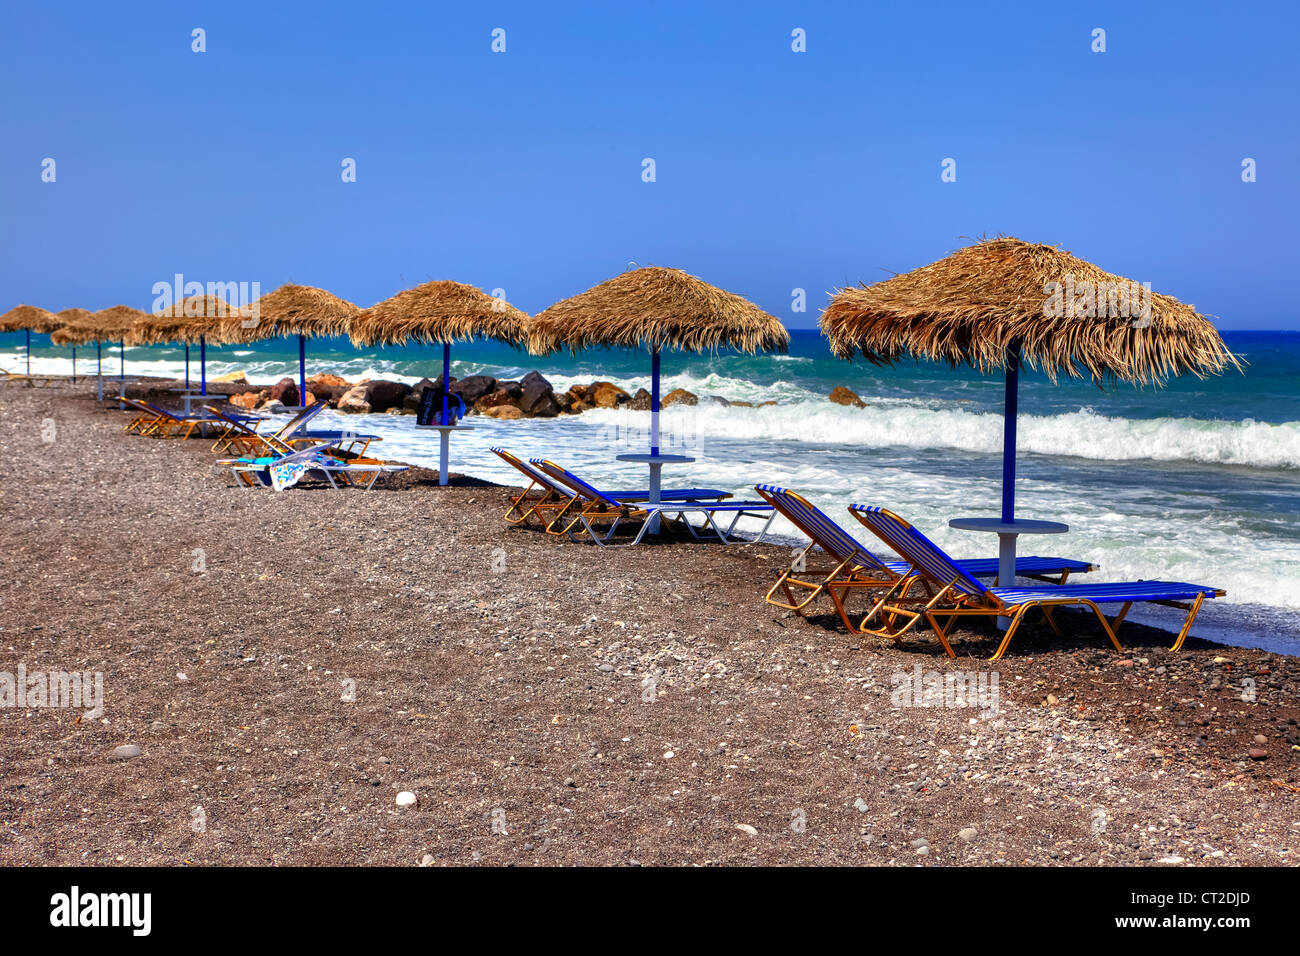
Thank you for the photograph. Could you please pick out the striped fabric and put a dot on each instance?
(917, 548)
(813, 522)
(834, 540)
(1119, 592)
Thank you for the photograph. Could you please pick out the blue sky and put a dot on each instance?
(522, 170)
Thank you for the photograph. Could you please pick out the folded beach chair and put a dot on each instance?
(548, 499)
(33, 381)
(321, 461)
(595, 506)
(956, 593)
(857, 567)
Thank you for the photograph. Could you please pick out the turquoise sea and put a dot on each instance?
(1197, 481)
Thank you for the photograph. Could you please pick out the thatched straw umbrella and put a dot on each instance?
(1003, 302)
(299, 310)
(656, 308)
(29, 319)
(81, 326)
(61, 336)
(118, 322)
(440, 312)
(198, 319)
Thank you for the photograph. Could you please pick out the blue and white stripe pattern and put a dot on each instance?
(940, 568)
(834, 540)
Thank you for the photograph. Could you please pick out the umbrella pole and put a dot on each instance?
(1007, 542)
(99, 371)
(443, 451)
(29, 351)
(654, 403)
(656, 468)
(302, 371)
(121, 373)
(74, 365)
(187, 366)
(203, 365)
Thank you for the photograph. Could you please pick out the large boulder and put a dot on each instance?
(640, 402)
(248, 400)
(506, 393)
(234, 378)
(473, 387)
(606, 395)
(846, 396)
(679, 395)
(508, 412)
(325, 378)
(284, 391)
(353, 401)
(329, 394)
(382, 395)
(537, 398)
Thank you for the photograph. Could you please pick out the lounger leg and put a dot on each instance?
(1187, 624)
(1047, 613)
(1010, 632)
(1106, 624)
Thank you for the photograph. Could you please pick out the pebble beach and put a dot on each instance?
(396, 677)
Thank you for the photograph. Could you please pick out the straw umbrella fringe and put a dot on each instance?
(657, 308)
(441, 312)
(1067, 316)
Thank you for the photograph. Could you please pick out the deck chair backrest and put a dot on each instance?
(296, 423)
(913, 546)
(817, 525)
(541, 478)
(577, 484)
(151, 409)
(271, 440)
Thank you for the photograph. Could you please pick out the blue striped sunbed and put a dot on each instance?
(962, 595)
(858, 567)
(600, 506)
(547, 496)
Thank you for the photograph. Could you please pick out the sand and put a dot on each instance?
(288, 664)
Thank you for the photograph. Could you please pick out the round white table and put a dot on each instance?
(444, 445)
(1008, 532)
(189, 395)
(656, 463)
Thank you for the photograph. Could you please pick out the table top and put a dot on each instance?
(657, 459)
(1018, 526)
(449, 428)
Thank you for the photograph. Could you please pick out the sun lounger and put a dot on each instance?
(857, 567)
(547, 499)
(32, 381)
(956, 593)
(161, 423)
(596, 506)
(321, 461)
